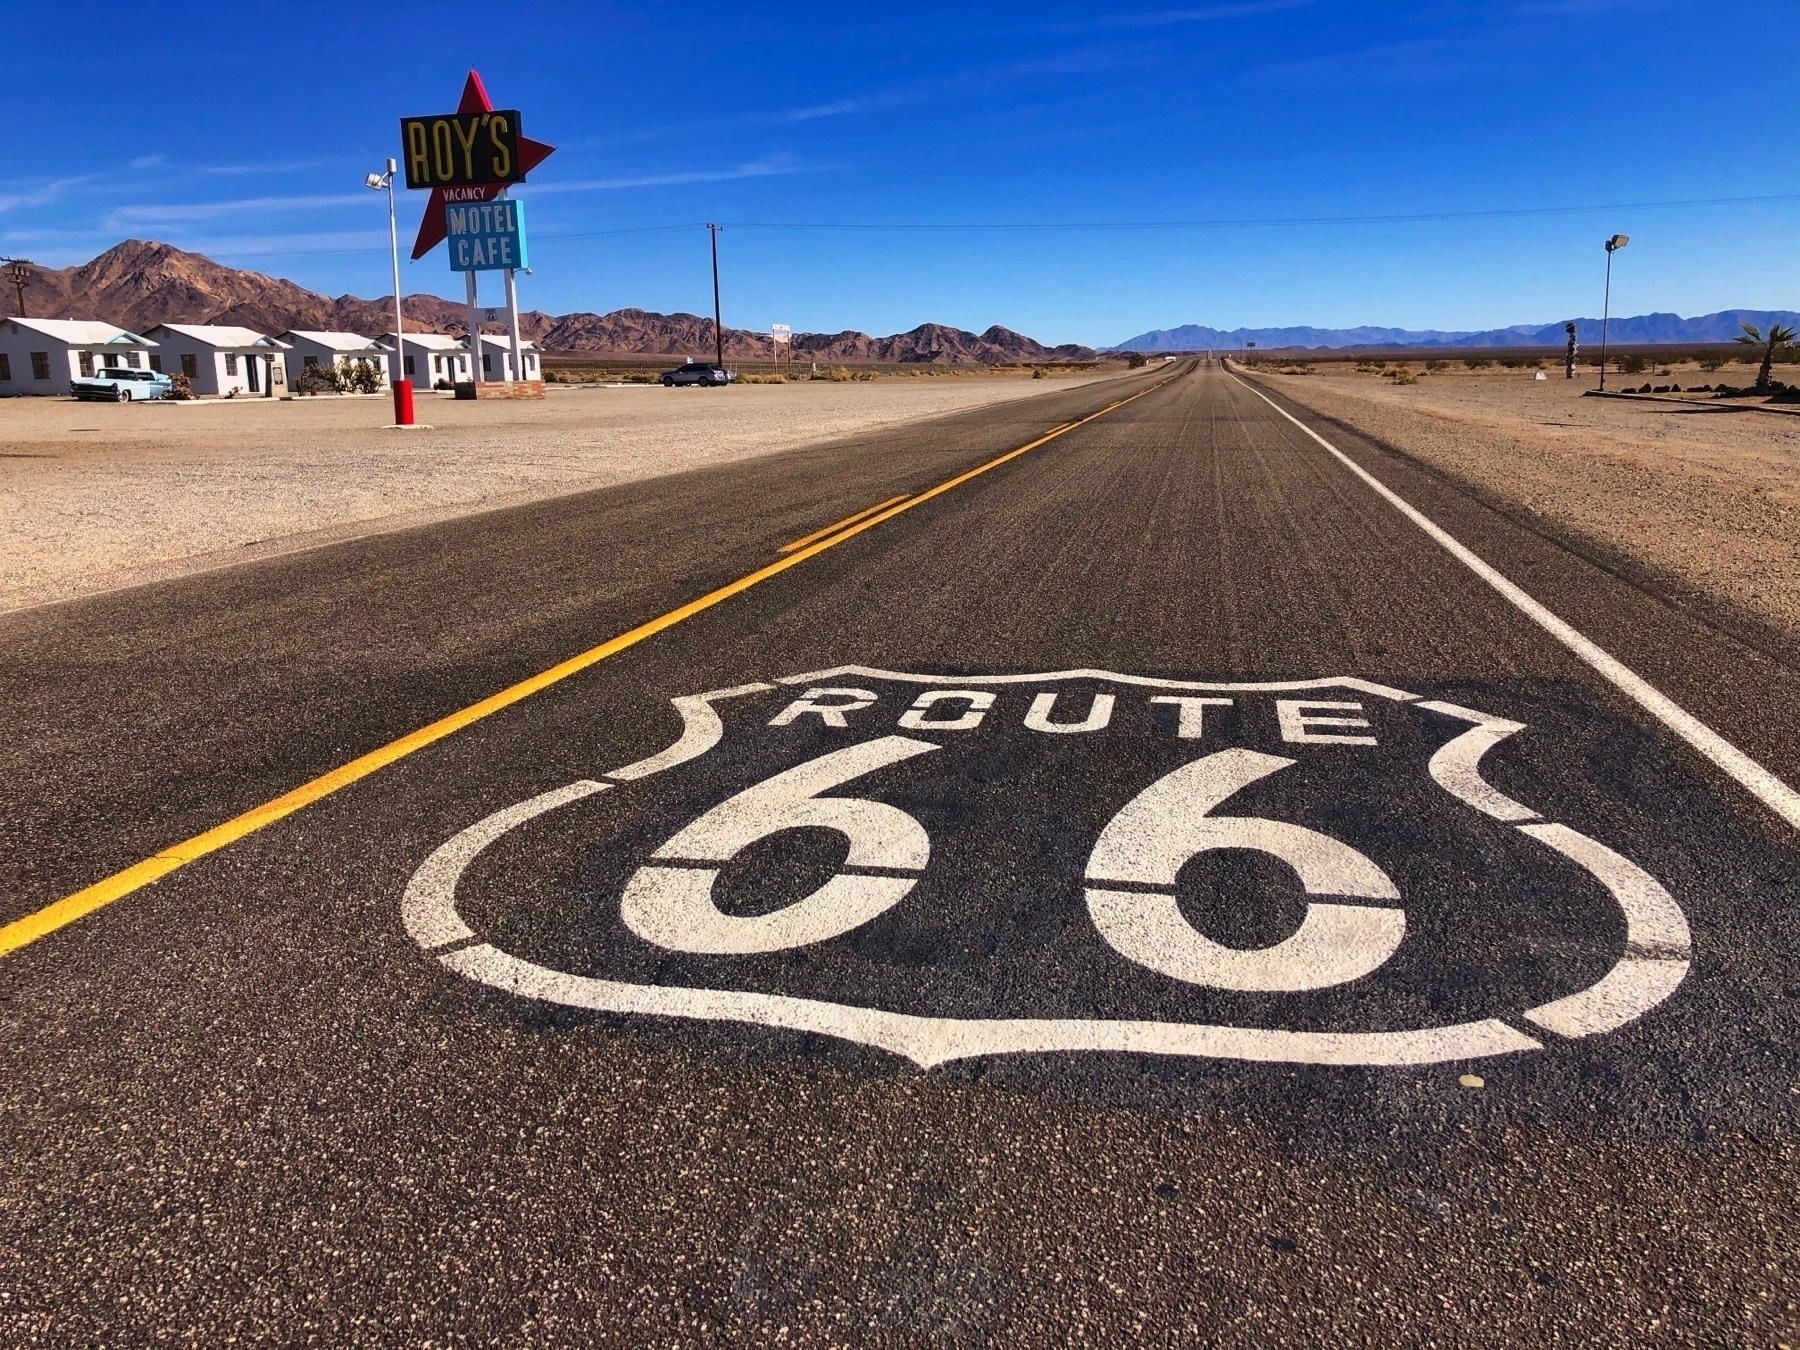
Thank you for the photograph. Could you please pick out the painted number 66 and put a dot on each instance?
(1143, 847)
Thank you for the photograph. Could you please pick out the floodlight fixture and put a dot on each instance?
(374, 181)
(1618, 241)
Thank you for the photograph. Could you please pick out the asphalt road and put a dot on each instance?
(1148, 891)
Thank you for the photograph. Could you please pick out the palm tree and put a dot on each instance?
(1777, 338)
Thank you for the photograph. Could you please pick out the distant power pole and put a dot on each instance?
(19, 270)
(718, 328)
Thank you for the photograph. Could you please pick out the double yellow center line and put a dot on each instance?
(90, 898)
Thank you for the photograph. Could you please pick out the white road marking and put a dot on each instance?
(831, 714)
(1099, 713)
(1191, 725)
(701, 730)
(673, 906)
(930, 1041)
(1158, 831)
(1298, 720)
(1456, 767)
(1758, 781)
(917, 717)
(1654, 964)
(429, 906)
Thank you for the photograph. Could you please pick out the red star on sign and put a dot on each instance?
(531, 154)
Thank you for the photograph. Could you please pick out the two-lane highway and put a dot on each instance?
(1114, 867)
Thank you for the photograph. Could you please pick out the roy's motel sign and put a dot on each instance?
(462, 149)
(486, 236)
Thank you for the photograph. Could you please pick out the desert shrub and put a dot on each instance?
(179, 387)
(360, 376)
(1402, 375)
(1477, 362)
(318, 379)
(1512, 362)
(1037, 373)
(1712, 360)
(1632, 364)
(1369, 367)
(1137, 359)
(1434, 365)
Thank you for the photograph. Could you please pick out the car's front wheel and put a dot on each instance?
(668, 382)
(121, 395)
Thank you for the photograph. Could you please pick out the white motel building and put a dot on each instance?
(305, 348)
(219, 360)
(431, 359)
(496, 359)
(41, 356)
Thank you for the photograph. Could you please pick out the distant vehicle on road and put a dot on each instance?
(697, 372)
(122, 386)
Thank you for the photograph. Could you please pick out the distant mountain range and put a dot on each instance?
(1638, 329)
(139, 283)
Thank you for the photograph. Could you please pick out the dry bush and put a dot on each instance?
(1477, 362)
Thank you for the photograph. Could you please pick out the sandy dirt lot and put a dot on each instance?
(1705, 494)
(96, 496)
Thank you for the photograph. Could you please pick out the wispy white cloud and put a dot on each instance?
(41, 194)
(772, 166)
(1168, 18)
(149, 161)
(176, 212)
(235, 170)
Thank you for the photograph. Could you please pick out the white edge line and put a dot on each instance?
(1758, 781)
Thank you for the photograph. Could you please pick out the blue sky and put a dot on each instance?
(1007, 137)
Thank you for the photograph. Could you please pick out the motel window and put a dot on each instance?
(190, 364)
(40, 365)
(5, 366)
(231, 363)
(409, 365)
(487, 361)
(86, 360)
(312, 361)
(131, 359)
(155, 362)
(110, 360)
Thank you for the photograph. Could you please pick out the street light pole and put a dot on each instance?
(1613, 245)
(718, 328)
(402, 386)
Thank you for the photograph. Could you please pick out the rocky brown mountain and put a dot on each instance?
(140, 283)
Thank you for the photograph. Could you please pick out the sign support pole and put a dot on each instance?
(474, 329)
(512, 327)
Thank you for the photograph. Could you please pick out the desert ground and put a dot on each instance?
(95, 496)
(1704, 493)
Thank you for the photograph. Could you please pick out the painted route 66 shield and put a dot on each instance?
(1320, 871)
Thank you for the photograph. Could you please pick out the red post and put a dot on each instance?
(403, 404)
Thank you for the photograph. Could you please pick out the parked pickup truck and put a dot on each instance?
(121, 386)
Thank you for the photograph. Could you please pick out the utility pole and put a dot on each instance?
(718, 328)
(20, 273)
